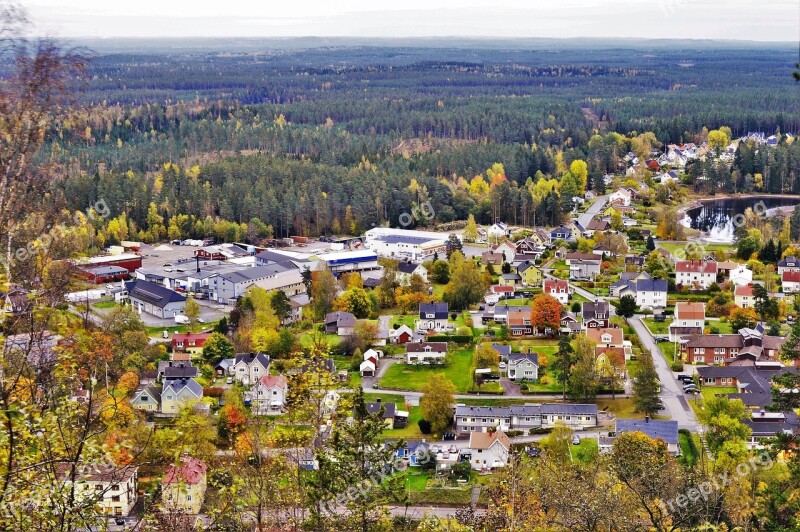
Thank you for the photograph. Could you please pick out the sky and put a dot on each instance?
(755, 20)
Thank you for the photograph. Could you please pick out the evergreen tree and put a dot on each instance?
(563, 362)
(645, 387)
(651, 244)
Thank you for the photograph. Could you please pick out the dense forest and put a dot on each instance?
(338, 139)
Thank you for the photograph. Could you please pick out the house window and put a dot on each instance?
(719, 350)
(189, 498)
(115, 487)
(115, 498)
(699, 350)
(710, 380)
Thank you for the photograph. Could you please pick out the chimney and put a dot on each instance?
(647, 419)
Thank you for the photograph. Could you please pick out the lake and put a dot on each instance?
(716, 217)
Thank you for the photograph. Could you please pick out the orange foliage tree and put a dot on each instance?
(545, 312)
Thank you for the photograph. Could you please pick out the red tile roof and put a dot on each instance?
(743, 290)
(274, 380)
(695, 266)
(555, 284)
(690, 311)
(190, 471)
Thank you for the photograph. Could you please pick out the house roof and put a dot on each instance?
(499, 288)
(591, 309)
(189, 471)
(250, 358)
(100, 472)
(375, 407)
(407, 267)
(185, 337)
(568, 408)
(715, 340)
(419, 347)
(511, 276)
(649, 285)
(743, 290)
(151, 390)
(695, 266)
(341, 319)
(482, 411)
(516, 358)
(598, 225)
(656, 429)
(485, 440)
(686, 310)
(179, 370)
(502, 349)
(153, 293)
(789, 262)
(555, 284)
(439, 310)
(792, 277)
(581, 256)
(178, 385)
(273, 381)
(595, 334)
(615, 355)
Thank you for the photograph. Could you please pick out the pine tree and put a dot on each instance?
(645, 387)
(651, 244)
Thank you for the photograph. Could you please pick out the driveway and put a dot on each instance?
(593, 210)
(672, 394)
(509, 386)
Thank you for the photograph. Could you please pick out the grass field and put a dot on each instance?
(405, 377)
(657, 327)
(104, 304)
(689, 451)
(402, 319)
(672, 247)
(307, 339)
(585, 451)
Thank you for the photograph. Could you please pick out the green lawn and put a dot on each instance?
(622, 407)
(707, 392)
(668, 348)
(672, 247)
(156, 331)
(104, 304)
(585, 451)
(307, 339)
(406, 377)
(517, 302)
(411, 431)
(723, 327)
(689, 451)
(657, 327)
(403, 320)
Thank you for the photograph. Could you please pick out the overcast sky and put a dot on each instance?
(760, 20)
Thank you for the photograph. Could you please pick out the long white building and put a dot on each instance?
(405, 243)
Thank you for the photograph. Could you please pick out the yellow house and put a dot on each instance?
(610, 211)
(184, 486)
(610, 360)
(530, 274)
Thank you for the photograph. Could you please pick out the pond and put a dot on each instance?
(717, 218)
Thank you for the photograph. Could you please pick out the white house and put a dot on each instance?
(401, 335)
(498, 230)
(621, 197)
(507, 249)
(696, 274)
(270, 394)
(109, 489)
(788, 264)
(558, 289)
(743, 296)
(489, 450)
(367, 368)
(406, 269)
(426, 352)
(523, 366)
(741, 276)
(651, 293)
(433, 317)
(248, 368)
(690, 318)
(790, 282)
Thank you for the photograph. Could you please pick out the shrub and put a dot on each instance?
(676, 366)
(424, 426)
(213, 391)
(514, 433)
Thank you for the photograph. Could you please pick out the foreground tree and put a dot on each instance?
(646, 385)
(437, 402)
(545, 313)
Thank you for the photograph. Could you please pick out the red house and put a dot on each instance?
(191, 342)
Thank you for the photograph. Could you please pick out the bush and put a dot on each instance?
(514, 433)
(213, 391)
(459, 339)
(424, 426)
(676, 366)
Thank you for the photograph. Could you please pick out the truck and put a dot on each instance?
(180, 319)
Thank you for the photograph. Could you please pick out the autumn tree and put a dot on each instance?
(584, 381)
(742, 318)
(217, 347)
(192, 311)
(437, 402)
(546, 313)
(323, 292)
(471, 229)
(466, 286)
(485, 356)
(646, 386)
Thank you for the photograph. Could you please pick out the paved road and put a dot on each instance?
(593, 210)
(672, 394)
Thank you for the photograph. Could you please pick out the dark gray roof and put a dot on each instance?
(559, 408)
(789, 262)
(341, 319)
(665, 430)
(107, 270)
(389, 408)
(503, 350)
(482, 411)
(510, 276)
(153, 293)
(251, 273)
(403, 239)
(590, 309)
(649, 285)
(178, 385)
(249, 358)
(440, 310)
(407, 267)
(519, 357)
(525, 410)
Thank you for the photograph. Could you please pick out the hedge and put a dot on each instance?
(459, 339)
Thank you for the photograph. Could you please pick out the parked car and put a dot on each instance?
(120, 521)
(229, 380)
(576, 440)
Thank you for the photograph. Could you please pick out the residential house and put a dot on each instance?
(391, 416)
(490, 257)
(741, 276)
(426, 352)
(510, 279)
(147, 398)
(690, 318)
(607, 337)
(523, 367)
(788, 264)
(507, 249)
(433, 317)
(155, 299)
(489, 450)
(531, 275)
(502, 350)
(561, 233)
(340, 323)
(609, 361)
(248, 368)
(483, 418)
(790, 282)
(595, 314)
(175, 369)
(405, 270)
(649, 293)
(569, 258)
(191, 343)
(498, 230)
(176, 392)
(624, 278)
(558, 289)
(519, 321)
(580, 269)
(697, 275)
(635, 260)
(368, 368)
(225, 367)
(183, 488)
(620, 196)
(401, 335)
(570, 324)
(747, 347)
(666, 431)
(596, 225)
(575, 416)
(743, 296)
(269, 394)
(110, 489)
